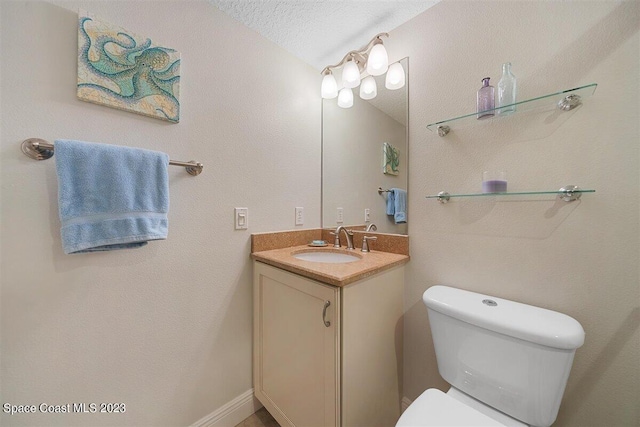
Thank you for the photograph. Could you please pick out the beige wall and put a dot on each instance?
(166, 328)
(580, 258)
(352, 151)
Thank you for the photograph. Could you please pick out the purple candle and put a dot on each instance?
(494, 182)
(494, 186)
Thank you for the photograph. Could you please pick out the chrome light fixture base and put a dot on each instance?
(359, 56)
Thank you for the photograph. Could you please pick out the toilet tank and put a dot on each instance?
(511, 356)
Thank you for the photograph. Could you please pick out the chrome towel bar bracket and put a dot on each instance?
(39, 149)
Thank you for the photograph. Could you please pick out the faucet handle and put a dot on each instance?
(336, 241)
(365, 243)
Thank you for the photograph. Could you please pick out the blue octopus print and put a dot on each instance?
(125, 71)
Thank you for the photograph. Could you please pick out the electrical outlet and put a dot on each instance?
(242, 218)
(339, 216)
(299, 216)
(367, 215)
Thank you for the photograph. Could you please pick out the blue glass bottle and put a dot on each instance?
(507, 90)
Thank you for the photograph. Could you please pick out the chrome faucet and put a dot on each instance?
(371, 227)
(348, 233)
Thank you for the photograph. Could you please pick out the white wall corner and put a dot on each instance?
(404, 403)
(231, 413)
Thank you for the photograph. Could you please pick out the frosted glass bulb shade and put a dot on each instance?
(368, 88)
(350, 75)
(378, 61)
(395, 77)
(329, 88)
(345, 98)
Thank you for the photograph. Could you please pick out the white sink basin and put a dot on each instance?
(323, 256)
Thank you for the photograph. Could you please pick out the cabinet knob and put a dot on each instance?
(324, 314)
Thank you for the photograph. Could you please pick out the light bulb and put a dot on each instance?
(345, 98)
(350, 74)
(378, 61)
(368, 88)
(329, 87)
(395, 77)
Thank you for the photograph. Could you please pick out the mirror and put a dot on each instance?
(352, 156)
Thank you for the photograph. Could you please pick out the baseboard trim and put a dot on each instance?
(231, 413)
(404, 403)
(243, 406)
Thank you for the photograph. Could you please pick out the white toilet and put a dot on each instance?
(507, 362)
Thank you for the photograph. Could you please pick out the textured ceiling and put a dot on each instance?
(321, 32)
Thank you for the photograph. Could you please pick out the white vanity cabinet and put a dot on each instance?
(326, 355)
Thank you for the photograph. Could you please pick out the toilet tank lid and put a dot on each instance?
(526, 322)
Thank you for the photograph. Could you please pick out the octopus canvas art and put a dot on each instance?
(125, 71)
(390, 159)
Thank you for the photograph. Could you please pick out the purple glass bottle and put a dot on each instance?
(486, 100)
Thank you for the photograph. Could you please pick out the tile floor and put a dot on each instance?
(260, 419)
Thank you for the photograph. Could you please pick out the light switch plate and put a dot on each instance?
(367, 215)
(299, 216)
(339, 216)
(242, 218)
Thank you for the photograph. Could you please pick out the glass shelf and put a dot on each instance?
(564, 100)
(568, 193)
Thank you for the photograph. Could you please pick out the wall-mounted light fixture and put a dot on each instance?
(374, 60)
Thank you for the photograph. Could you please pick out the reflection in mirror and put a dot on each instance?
(353, 141)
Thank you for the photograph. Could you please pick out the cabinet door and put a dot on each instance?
(296, 354)
(372, 312)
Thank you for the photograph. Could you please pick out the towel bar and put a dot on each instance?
(380, 191)
(39, 149)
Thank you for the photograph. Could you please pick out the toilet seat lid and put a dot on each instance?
(435, 408)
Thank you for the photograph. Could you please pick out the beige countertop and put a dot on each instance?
(336, 274)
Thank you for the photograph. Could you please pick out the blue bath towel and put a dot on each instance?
(391, 204)
(110, 197)
(400, 205)
(397, 205)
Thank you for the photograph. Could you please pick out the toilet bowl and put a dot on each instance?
(508, 363)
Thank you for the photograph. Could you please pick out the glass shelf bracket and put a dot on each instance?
(564, 100)
(568, 193)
